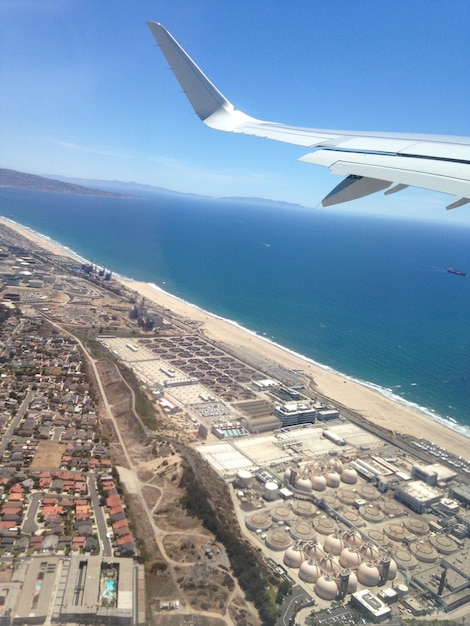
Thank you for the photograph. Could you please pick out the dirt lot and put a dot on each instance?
(48, 455)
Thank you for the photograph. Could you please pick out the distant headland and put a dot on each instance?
(21, 180)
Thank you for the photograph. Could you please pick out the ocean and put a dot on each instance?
(368, 297)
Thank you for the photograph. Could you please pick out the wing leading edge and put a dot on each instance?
(370, 161)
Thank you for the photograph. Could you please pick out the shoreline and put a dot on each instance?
(373, 404)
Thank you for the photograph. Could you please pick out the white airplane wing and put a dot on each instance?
(371, 161)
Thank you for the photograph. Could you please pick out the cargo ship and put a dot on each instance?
(451, 270)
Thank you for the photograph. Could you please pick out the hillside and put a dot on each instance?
(21, 180)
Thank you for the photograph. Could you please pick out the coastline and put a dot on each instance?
(361, 398)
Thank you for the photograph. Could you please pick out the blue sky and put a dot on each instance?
(87, 93)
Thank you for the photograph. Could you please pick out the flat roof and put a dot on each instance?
(372, 603)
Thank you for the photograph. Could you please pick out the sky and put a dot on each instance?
(87, 93)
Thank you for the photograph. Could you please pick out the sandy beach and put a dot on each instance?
(372, 405)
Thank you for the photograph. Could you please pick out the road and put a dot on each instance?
(105, 543)
(15, 421)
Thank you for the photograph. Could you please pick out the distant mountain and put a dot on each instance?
(21, 180)
(113, 188)
(124, 187)
(135, 188)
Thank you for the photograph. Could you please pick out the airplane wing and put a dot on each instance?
(371, 161)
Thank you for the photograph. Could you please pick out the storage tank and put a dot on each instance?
(318, 482)
(329, 564)
(352, 583)
(304, 484)
(271, 491)
(336, 465)
(293, 557)
(278, 540)
(332, 479)
(258, 521)
(352, 538)
(369, 552)
(326, 588)
(309, 571)
(402, 590)
(349, 475)
(334, 543)
(350, 557)
(244, 478)
(368, 574)
(313, 550)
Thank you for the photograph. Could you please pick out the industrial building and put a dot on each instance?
(418, 496)
(295, 413)
(433, 474)
(461, 493)
(375, 609)
(448, 582)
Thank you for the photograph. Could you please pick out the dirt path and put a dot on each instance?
(203, 586)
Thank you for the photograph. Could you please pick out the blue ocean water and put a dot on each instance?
(368, 297)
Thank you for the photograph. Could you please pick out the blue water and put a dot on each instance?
(109, 590)
(368, 297)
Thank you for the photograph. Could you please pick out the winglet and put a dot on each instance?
(211, 106)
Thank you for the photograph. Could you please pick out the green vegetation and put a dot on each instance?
(143, 405)
(245, 565)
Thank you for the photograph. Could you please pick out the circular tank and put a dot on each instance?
(416, 526)
(318, 482)
(313, 550)
(303, 507)
(324, 525)
(333, 543)
(368, 574)
(352, 583)
(303, 484)
(287, 475)
(347, 496)
(333, 479)
(352, 538)
(349, 475)
(326, 588)
(293, 557)
(336, 465)
(309, 571)
(244, 478)
(302, 530)
(395, 531)
(368, 493)
(444, 544)
(350, 557)
(329, 564)
(424, 551)
(278, 540)
(405, 558)
(391, 508)
(377, 536)
(369, 552)
(271, 491)
(372, 513)
(281, 513)
(258, 521)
